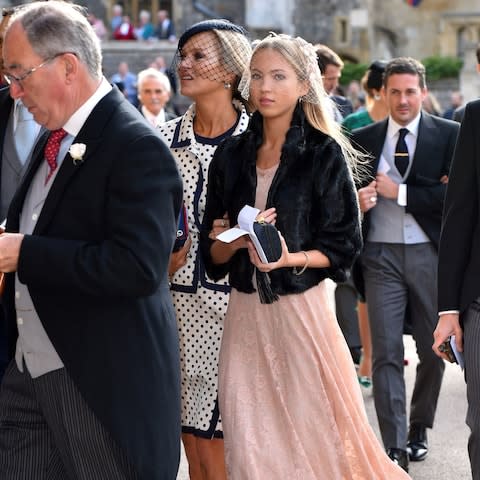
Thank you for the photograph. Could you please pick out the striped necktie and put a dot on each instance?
(401, 152)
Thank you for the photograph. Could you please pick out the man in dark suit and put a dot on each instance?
(459, 269)
(14, 157)
(331, 66)
(411, 153)
(165, 29)
(93, 389)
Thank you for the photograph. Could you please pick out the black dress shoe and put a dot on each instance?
(399, 457)
(417, 445)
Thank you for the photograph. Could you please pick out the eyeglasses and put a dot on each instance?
(9, 78)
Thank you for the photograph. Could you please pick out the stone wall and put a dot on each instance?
(187, 12)
(138, 55)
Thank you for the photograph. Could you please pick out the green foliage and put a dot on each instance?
(442, 67)
(353, 71)
(437, 67)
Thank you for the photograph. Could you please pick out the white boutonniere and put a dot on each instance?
(77, 151)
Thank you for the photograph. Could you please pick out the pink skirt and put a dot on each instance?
(289, 396)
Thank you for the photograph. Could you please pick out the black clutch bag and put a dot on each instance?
(269, 240)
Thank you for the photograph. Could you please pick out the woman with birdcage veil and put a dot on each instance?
(289, 396)
(210, 61)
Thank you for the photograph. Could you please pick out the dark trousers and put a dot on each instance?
(48, 432)
(398, 275)
(346, 297)
(3, 344)
(471, 351)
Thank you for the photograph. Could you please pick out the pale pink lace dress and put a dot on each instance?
(291, 405)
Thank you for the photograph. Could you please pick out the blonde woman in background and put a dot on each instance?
(210, 60)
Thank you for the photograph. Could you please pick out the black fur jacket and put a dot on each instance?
(313, 194)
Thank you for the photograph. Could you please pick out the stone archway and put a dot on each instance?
(385, 43)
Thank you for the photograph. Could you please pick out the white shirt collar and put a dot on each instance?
(76, 121)
(154, 120)
(394, 127)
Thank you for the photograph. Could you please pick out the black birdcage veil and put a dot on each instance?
(218, 54)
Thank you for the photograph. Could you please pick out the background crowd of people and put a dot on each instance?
(123, 27)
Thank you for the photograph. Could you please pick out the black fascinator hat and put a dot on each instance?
(375, 74)
(207, 25)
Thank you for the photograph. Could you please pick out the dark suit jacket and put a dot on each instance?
(459, 113)
(96, 268)
(343, 104)
(459, 255)
(425, 192)
(6, 104)
(169, 31)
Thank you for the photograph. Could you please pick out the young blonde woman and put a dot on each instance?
(289, 396)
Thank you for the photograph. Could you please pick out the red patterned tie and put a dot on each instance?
(51, 150)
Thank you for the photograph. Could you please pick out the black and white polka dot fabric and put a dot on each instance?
(200, 303)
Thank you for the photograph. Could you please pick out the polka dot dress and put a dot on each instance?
(200, 303)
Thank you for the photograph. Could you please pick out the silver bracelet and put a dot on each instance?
(307, 261)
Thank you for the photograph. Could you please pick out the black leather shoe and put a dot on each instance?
(417, 445)
(399, 457)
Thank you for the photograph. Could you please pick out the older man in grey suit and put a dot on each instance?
(402, 201)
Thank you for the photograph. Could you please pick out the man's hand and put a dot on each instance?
(386, 187)
(367, 197)
(10, 244)
(448, 325)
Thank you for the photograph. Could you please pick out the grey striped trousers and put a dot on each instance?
(48, 432)
(471, 350)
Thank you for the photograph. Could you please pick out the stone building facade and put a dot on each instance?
(359, 30)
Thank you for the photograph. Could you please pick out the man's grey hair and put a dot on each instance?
(153, 73)
(54, 27)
